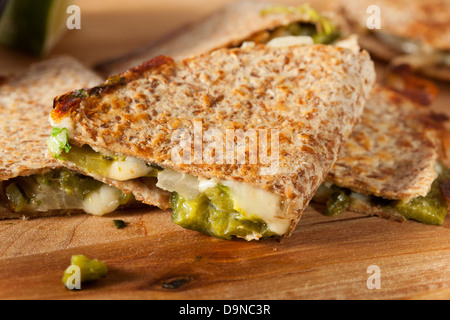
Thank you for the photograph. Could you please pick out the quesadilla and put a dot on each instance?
(231, 26)
(392, 169)
(32, 183)
(414, 33)
(294, 105)
(392, 164)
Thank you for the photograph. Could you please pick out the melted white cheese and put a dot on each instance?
(248, 200)
(46, 197)
(130, 168)
(102, 201)
(288, 41)
(248, 44)
(281, 42)
(259, 202)
(185, 185)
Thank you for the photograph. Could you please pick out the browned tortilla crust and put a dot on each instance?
(393, 151)
(312, 94)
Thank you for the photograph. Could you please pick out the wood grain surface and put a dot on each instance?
(151, 258)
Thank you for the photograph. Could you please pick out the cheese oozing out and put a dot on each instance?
(128, 169)
(40, 195)
(287, 41)
(102, 201)
(248, 200)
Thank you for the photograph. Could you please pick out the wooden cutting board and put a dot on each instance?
(151, 258)
(154, 259)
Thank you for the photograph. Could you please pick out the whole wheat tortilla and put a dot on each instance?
(392, 152)
(371, 161)
(313, 95)
(26, 100)
(25, 103)
(227, 27)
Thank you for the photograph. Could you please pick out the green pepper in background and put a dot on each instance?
(16, 197)
(318, 27)
(22, 192)
(430, 209)
(72, 183)
(33, 26)
(90, 270)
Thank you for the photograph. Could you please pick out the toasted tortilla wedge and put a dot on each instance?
(378, 159)
(226, 27)
(389, 166)
(395, 162)
(294, 95)
(416, 33)
(28, 174)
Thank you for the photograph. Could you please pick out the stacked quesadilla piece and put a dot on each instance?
(414, 33)
(34, 184)
(235, 124)
(295, 105)
(231, 26)
(392, 165)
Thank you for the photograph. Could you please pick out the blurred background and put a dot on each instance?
(110, 28)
